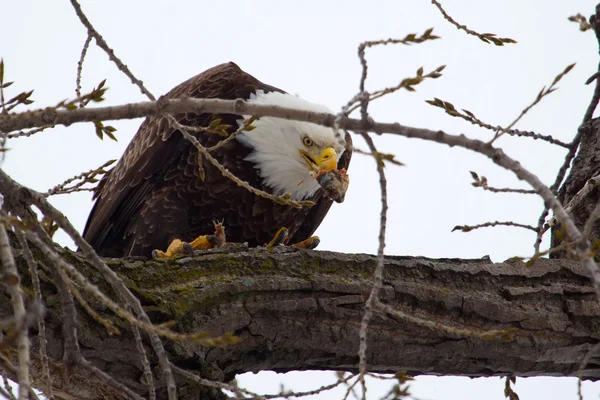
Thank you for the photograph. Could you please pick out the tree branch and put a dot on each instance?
(301, 310)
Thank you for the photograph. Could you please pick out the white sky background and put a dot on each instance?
(309, 48)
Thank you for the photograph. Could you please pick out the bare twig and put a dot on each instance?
(386, 157)
(246, 126)
(37, 295)
(73, 354)
(595, 24)
(9, 186)
(407, 84)
(363, 96)
(483, 183)
(145, 363)
(591, 220)
(589, 187)
(12, 280)
(84, 50)
(543, 93)
(2, 86)
(582, 366)
(469, 228)
(469, 332)
(8, 394)
(378, 275)
(484, 37)
(470, 117)
(86, 177)
(240, 107)
(214, 384)
(28, 133)
(110, 52)
(109, 380)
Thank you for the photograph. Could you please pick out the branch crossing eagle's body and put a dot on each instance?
(155, 192)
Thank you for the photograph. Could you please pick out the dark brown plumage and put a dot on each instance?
(154, 194)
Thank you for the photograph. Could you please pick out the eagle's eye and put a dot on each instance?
(307, 141)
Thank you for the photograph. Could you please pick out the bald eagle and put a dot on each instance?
(156, 192)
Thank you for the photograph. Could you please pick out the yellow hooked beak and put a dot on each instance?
(326, 161)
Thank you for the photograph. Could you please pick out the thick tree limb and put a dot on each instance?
(301, 310)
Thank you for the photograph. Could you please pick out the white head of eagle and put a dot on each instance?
(286, 152)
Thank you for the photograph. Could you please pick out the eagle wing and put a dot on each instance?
(152, 153)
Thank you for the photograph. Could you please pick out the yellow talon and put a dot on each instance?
(176, 248)
(179, 248)
(206, 242)
(279, 238)
(310, 243)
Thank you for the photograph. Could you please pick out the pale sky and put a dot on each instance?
(309, 48)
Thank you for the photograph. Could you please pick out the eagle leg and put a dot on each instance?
(176, 248)
(279, 238)
(310, 243)
(206, 242)
(179, 248)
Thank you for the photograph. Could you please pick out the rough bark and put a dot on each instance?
(586, 165)
(301, 310)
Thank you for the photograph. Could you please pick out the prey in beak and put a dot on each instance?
(334, 183)
(326, 161)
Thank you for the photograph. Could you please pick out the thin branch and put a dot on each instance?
(109, 380)
(483, 183)
(378, 275)
(246, 126)
(37, 295)
(470, 117)
(71, 345)
(10, 187)
(591, 220)
(589, 113)
(213, 384)
(469, 228)
(7, 390)
(386, 157)
(594, 23)
(145, 363)
(582, 366)
(484, 37)
(86, 177)
(3, 109)
(363, 96)
(406, 83)
(488, 334)
(8, 394)
(84, 50)
(12, 281)
(589, 187)
(543, 93)
(110, 52)
(240, 107)
(28, 133)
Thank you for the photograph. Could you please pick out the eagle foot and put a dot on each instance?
(179, 248)
(279, 238)
(310, 243)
